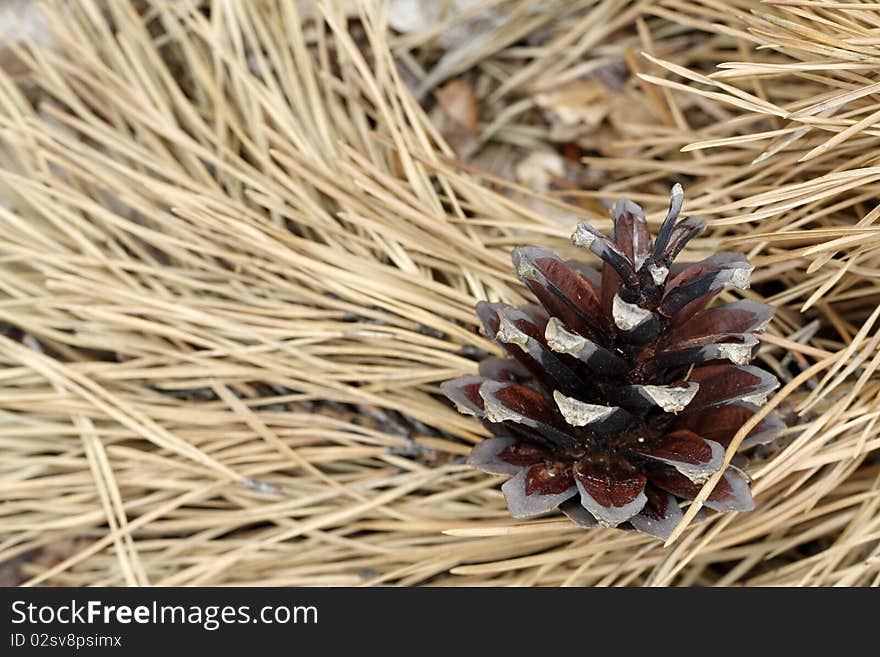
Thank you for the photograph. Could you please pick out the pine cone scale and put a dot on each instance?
(563, 291)
(743, 316)
(609, 491)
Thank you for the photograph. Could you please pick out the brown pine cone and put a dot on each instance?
(622, 390)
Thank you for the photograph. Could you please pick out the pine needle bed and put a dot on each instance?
(241, 245)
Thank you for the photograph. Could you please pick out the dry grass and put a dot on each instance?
(240, 249)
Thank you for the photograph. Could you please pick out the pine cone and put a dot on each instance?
(622, 391)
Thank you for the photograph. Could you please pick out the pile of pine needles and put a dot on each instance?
(241, 243)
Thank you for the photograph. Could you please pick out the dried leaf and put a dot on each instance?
(456, 98)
